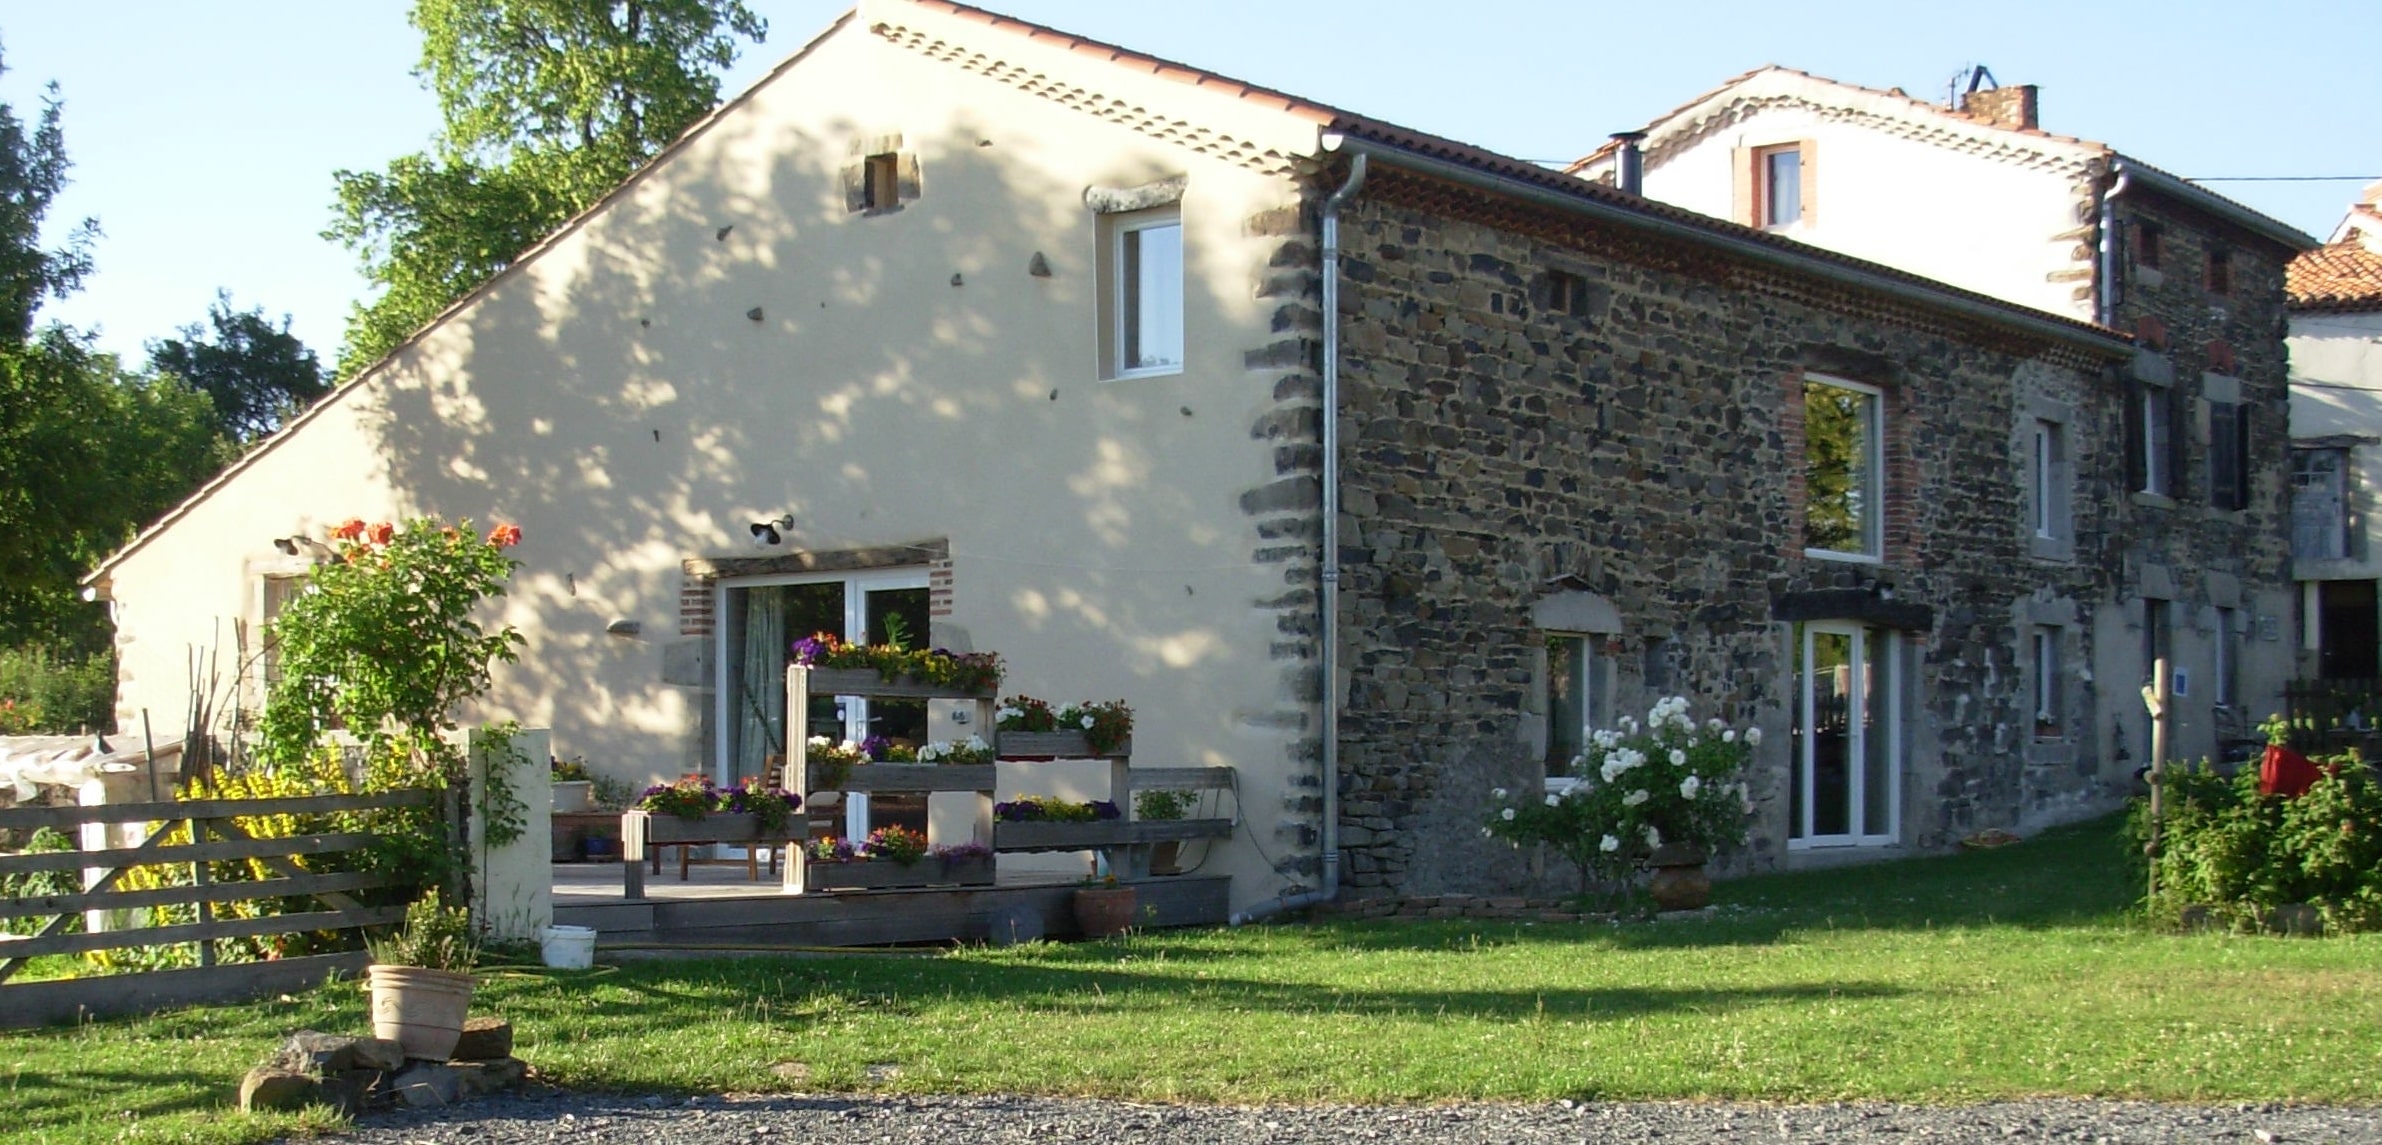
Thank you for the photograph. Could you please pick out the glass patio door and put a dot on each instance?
(762, 617)
(1845, 783)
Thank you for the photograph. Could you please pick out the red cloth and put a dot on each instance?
(2285, 772)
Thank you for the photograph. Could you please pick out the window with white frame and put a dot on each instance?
(1779, 189)
(2047, 481)
(2150, 440)
(1143, 269)
(2047, 682)
(2320, 504)
(1843, 469)
(1571, 698)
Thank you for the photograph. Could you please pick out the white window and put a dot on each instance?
(2047, 683)
(2047, 500)
(1844, 786)
(1844, 468)
(1145, 274)
(2320, 504)
(2155, 414)
(1571, 698)
(1780, 190)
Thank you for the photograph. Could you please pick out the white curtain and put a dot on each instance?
(761, 699)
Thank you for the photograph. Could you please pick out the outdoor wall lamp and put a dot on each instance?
(295, 545)
(771, 534)
(1881, 589)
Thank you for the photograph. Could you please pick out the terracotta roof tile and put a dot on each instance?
(2336, 276)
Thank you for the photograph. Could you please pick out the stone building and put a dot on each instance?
(1983, 197)
(1373, 466)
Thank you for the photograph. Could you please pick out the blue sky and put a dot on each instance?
(204, 135)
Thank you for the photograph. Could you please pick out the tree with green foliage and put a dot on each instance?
(257, 374)
(548, 105)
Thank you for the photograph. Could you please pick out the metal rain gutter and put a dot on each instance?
(1330, 575)
(2006, 316)
(2201, 198)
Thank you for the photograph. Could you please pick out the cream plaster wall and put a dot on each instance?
(2336, 389)
(907, 380)
(1991, 225)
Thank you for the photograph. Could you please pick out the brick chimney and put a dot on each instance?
(2002, 106)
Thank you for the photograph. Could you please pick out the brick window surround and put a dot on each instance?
(699, 575)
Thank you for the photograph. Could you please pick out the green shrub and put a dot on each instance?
(41, 884)
(2238, 854)
(45, 693)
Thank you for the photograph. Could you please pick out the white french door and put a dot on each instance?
(760, 618)
(1845, 783)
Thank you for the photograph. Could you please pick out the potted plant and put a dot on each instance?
(1103, 907)
(1033, 727)
(420, 979)
(1164, 804)
(574, 789)
(895, 669)
(1662, 796)
(894, 856)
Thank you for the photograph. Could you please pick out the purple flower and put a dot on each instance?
(1104, 809)
(876, 748)
(808, 650)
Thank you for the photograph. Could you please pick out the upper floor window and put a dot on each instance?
(1567, 294)
(2228, 455)
(2151, 444)
(2320, 504)
(2047, 481)
(1143, 269)
(2220, 271)
(2149, 243)
(1843, 469)
(1778, 194)
(880, 185)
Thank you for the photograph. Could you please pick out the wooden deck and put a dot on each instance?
(718, 907)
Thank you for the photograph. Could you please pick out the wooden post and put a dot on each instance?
(2154, 698)
(200, 876)
(798, 768)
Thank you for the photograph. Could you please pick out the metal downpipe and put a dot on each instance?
(1330, 572)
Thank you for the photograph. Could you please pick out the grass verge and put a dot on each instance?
(1963, 978)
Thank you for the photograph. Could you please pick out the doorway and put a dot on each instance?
(1844, 785)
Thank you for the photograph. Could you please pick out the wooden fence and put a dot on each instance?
(214, 835)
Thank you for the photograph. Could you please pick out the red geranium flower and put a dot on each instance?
(505, 536)
(381, 534)
(349, 529)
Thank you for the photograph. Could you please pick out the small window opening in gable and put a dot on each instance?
(881, 182)
(2220, 271)
(1567, 294)
(2149, 241)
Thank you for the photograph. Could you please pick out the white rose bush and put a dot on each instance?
(1669, 782)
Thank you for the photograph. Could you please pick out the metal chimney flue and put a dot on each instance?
(1629, 163)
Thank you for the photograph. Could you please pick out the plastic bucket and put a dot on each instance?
(568, 947)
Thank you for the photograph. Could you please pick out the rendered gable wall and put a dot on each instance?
(2019, 231)
(724, 342)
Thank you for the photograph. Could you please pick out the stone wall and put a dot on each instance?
(1644, 450)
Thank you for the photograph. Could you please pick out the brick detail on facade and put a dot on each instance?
(694, 605)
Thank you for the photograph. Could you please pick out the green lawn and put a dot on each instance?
(1977, 976)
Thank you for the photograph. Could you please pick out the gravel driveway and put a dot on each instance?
(613, 1120)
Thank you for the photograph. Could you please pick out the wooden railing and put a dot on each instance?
(2330, 715)
(214, 834)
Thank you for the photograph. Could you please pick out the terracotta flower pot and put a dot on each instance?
(1103, 912)
(1679, 882)
(420, 1009)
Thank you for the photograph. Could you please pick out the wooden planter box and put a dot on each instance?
(880, 875)
(1061, 836)
(914, 777)
(866, 682)
(1053, 745)
(717, 827)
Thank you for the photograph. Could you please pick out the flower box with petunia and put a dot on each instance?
(839, 668)
(893, 857)
(1031, 728)
(1036, 823)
